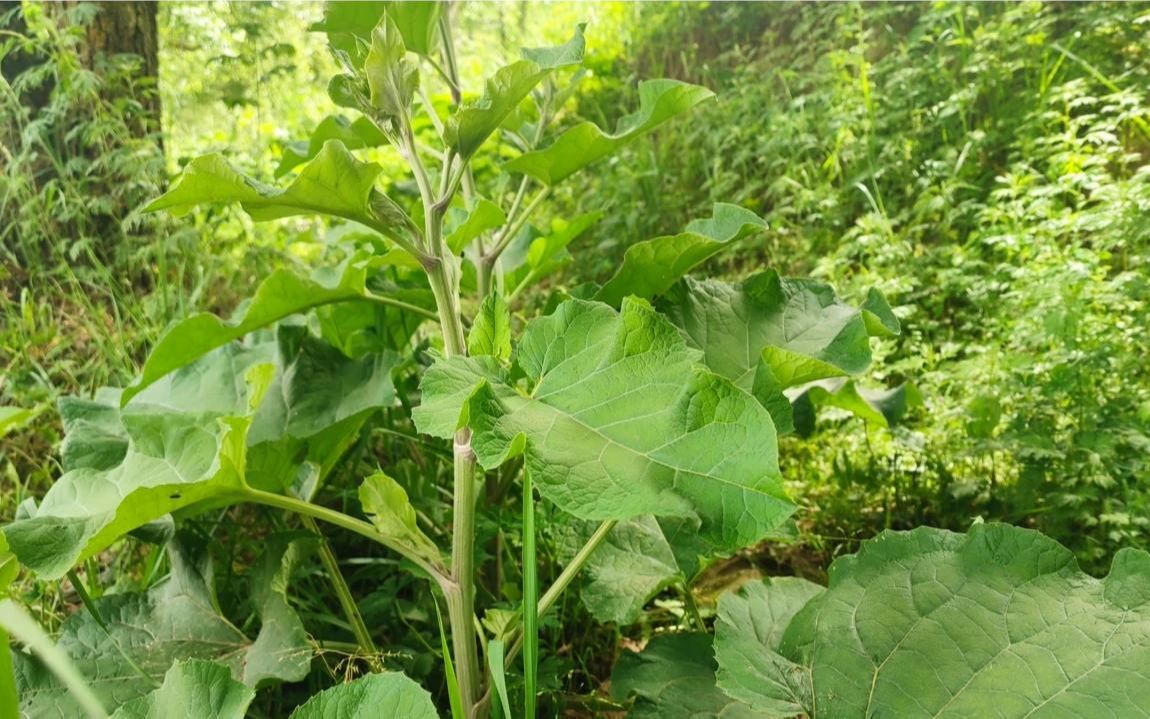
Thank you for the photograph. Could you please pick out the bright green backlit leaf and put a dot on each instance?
(174, 620)
(348, 24)
(376, 695)
(491, 331)
(585, 143)
(417, 22)
(354, 136)
(282, 294)
(768, 333)
(172, 461)
(386, 502)
(467, 129)
(334, 183)
(192, 689)
(484, 216)
(392, 78)
(996, 622)
(620, 422)
(12, 418)
(652, 266)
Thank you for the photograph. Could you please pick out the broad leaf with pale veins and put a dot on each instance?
(769, 333)
(618, 421)
(650, 267)
(390, 694)
(997, 622)
(281, 295)
(585, 143)
(192, 689)
(748, 630)
(176, 619)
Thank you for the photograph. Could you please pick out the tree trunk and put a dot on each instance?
(129, 28)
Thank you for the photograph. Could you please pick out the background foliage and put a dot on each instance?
(983, 164)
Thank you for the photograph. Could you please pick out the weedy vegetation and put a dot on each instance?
(619, 438)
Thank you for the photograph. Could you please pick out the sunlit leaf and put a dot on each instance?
(619, 422)
(491, 331)
(995, 622)
(484, 216)
(353, 134)
(466, 130)
(650, 267)
(333, 183)
(282, 294)
(392, 78)
(585, 143)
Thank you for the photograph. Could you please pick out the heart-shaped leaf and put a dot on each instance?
(620, 422)
(389, 694)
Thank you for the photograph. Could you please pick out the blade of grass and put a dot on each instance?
(9, 701)
(449, 667)
(498, 675)
(530, 599)
(23, 627)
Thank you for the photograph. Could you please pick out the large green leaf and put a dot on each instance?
(585, 143)
(674, 678)
(192, 689)
(632, 564)
(995, 622)
(650, 267)
(748, 630)
(172, 461)
(333, 183)
(376, 695)
(354, 135)
(467, 129)
(282, 294)
(203, 434)
(349, 23)
(148, 632)
(768, 333)
(618, 421)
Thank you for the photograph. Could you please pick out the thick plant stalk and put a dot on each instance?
(461, 606)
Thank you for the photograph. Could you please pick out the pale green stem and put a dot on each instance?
(562, 582)
(339, 519)
(461, 606)
(346, 600)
